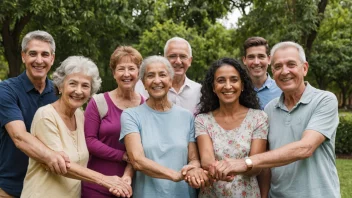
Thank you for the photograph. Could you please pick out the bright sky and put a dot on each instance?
(231, 19)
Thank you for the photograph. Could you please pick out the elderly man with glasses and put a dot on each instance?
(184, 92)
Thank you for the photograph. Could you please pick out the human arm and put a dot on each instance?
(264, 179)
(194, 175)
(57, 161)
(128, 174)
(95, 147)
(46, 130)
(141, 163)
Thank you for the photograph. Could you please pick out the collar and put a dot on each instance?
(306, 97)
(269, 82)
(28, 85)
(188, 82)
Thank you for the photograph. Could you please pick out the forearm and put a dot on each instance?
(282, 156)
(153, 169)
(206, 162)
(129, 171)
(84, 174)
(264, 182)
(32, 147)
(103, 151)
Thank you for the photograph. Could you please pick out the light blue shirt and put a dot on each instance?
(165, 137)
(267, 92)
(316, 176)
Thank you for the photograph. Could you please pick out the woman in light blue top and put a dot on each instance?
(159, 139)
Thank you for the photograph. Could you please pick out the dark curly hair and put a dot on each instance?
(209, 101)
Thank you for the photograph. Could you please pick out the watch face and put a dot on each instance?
(249, 162)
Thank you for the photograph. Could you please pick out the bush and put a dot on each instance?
(343, 143)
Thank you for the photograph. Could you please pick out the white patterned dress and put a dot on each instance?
(235, 143)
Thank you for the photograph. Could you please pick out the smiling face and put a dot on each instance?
(288, 70)
(256, 61)
(76, 90)
(157, 80)
(38, 59)
(227, 84)
(126, 74)
(179, 57)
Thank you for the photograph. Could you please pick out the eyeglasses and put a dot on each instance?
(290, 65)
(174, 57)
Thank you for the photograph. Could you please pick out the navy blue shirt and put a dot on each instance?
(19, 100)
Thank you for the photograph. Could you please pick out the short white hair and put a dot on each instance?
(155, 59)
(286, 44)
(174, 39)
(77, 64)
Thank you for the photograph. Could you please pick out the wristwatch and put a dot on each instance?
(249, 163)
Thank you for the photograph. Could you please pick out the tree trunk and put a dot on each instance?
(12, 46)
(313, 34)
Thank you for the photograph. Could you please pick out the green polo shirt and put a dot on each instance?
(315, 176)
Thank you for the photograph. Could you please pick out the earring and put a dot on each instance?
(59, 92)
(242, 90)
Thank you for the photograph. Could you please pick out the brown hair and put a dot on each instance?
(125, 51)
(255, 41)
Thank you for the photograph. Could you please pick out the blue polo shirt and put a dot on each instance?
(267, 92)
(19, 100)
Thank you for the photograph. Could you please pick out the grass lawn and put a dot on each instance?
(344, 169)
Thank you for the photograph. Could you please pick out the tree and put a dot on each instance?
(215, 43)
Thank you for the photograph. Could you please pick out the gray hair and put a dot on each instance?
(77, 64)
(177, 39)
(286, 44)
(38, 35)
(155, 59)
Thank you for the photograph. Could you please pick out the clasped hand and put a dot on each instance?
(195, 177)
(227, 169)
(120, 187)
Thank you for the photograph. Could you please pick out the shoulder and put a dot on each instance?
(46, 112)
(323, 97)
(258, 112)
(194, 84)
(204, 117)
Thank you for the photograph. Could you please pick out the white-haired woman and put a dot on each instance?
(159, 138)
(60, 127)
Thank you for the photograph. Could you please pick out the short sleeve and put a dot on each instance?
(9, 110)
(200, 128)
(46, 130)
(129, 124)
(325, 116)
(261, 125)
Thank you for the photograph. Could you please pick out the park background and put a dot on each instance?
(95, 28)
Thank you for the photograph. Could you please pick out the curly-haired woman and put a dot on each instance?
(230, 125)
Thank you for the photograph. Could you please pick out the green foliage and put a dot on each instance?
(214, 44)
(343, 142)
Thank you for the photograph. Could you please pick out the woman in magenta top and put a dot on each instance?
(107, 155)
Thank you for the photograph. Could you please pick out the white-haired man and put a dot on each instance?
(184, 92)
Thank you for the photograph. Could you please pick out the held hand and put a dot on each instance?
(117, 186)
(226, 169)
(125, 157)
(58, 162)
(177, 176)
(197, 178)
(187, 168)
(127, 179)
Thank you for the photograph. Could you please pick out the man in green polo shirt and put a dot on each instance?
(301, 138)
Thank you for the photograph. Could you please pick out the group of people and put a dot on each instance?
(159, 134)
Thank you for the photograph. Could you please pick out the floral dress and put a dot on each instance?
(235, 143)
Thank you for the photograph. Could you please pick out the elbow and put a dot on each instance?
(305, 151)
(137, 164)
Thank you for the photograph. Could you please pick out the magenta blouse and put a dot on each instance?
(105, 150)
